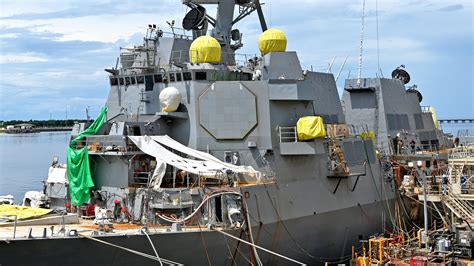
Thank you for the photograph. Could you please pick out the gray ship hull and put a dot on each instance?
(325, 235)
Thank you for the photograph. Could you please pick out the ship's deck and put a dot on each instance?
(84, 227)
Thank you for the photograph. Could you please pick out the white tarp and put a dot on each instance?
(151, 147)
(208, 165)
(57, 175)
(158, 174)
(173, 144)
(34, 199)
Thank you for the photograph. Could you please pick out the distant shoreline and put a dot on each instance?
(34, 130)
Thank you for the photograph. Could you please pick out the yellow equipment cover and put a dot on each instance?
(205, 49)
(272, 40)
(310, 127)
(433, 115)
(22, 212)
(368, 135)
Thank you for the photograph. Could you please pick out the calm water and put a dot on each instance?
(25, 159)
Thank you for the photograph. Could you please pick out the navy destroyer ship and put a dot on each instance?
(200, 158)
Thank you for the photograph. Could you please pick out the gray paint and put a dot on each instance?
(394, 111)
(297, 148)
(281, 92)
(227, 110)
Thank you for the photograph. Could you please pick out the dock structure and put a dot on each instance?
(439, 192)
(455, 190)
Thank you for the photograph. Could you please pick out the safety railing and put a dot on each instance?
(426, 109)
(102, 144)
(356, 130)
(135, 60)
(288, 134)
(436, 186)
(183, 56)
(462, 208)
(462, 152)
(179, 56)
(406, 149)
(7, 219)
(141, 178)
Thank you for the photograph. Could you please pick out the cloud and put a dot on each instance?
(451, 8)
(14, 7)
(104, 28)
(9, 35)
(21, 58)
(60, 48)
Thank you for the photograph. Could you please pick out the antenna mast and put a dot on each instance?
(361, 45)
(378, 51)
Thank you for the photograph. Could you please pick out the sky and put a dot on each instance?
(53, 53)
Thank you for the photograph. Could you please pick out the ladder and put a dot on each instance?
(460, 208)
(459, 158)
(455, 172)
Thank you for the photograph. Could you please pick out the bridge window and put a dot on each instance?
(121, 81)
(140, 80)
(178, 77)
(172, 79)
(158, 78)
(133, 80)
(113, 81)
(148, 83)
(127, 81)
(201, 76)
(187, 76)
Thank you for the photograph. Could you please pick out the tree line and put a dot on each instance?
(43, 123)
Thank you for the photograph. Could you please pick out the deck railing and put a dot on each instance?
(462, 152)
(102, 144)
(288, 134)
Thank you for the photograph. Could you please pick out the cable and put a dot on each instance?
(228, 248)
(169, 262)
(249, 226)
(153, 246)
(255, 246)
(205, 247)
(319, 259)
(208, 197)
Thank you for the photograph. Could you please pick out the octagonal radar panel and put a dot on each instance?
(228, 110)
(401, 74)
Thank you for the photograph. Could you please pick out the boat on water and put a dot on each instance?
(200, 159)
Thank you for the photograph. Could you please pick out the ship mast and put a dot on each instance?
(224, 20)
(359, 72)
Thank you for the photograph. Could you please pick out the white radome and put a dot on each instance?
(170, 98)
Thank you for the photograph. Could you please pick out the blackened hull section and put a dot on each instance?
(326, 235)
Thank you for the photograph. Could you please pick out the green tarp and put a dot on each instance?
(78, 170)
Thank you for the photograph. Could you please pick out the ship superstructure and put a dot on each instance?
(229, 159)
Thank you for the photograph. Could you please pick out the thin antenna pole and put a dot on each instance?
(377, 23)
(330, 65)
(340, 70)
(361, 45)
